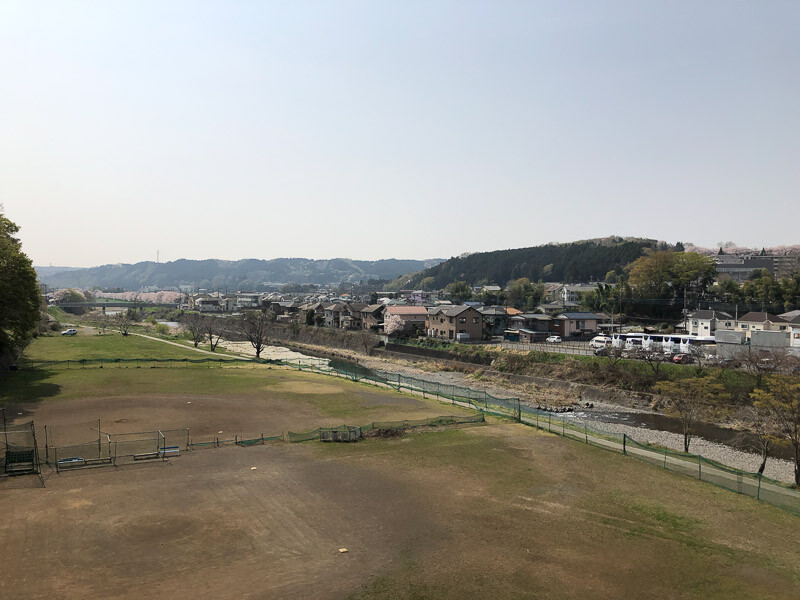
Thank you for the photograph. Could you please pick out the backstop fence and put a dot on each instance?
(19, 451)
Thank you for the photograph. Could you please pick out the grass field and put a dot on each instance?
(88, 344)
(495, 510)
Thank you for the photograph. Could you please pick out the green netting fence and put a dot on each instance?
(389, 425)
(693, 465)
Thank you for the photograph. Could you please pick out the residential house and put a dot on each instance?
(372, 317)
(495, 318)
(208, 304)
(576, 324)
(248, 300)
(528, 336)
(706, 322)
(554, 308)
(793, 316)
(351, 315)
(333, 314)
(554, 292)
(410, 318)
(454, 323)
(535, 322)
(229, 302)
(760, 321)
(793, 319)
(318, 313)
(573, 293)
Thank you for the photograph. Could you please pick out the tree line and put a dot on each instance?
(575, 262)
(20, 298)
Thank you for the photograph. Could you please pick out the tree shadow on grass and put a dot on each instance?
(27, 386)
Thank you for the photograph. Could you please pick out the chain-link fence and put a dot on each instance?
(19, 452)
(694, 465)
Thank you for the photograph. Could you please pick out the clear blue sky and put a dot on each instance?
(394, 129)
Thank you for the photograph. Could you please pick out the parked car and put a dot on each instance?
(682, 359)
(69, 332)
(600, 341)
(553, 339)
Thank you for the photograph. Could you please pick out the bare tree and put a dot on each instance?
(123, 321)
(214, 328)
(690, 400)
(698, 354)
(367, 340)
(614, 355)
(781, 400)
(762, 362)
(766, 430)
(104, 323)
(193, 323)
(654, 359)
(256, 327)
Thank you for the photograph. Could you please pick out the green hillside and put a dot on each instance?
(572, 262)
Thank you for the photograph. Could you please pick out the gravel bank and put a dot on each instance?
(779, 469)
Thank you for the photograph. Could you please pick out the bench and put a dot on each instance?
(147, 456)
(73, 461)
(20, 468)
(170, 451)
(106, 460)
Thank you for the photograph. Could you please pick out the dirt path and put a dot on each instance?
(150, 337)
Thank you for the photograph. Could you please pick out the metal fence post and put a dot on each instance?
(758, 492)
(585, 432)
(549, 419)
(624, 443)
(699, 467)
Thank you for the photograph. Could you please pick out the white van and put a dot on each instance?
(600, 341)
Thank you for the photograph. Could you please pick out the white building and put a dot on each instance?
(706, 322)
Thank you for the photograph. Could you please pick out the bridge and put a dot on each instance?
(113, 304)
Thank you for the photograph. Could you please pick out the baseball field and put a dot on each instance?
(485, 510)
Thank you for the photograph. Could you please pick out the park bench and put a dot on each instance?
(147, 456)
(72, 461)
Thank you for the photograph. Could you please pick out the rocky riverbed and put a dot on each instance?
(598, 416)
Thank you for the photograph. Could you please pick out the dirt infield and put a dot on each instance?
(206, 526)
(492, 511)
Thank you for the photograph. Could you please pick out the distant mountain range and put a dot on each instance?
(249, 274)
(572, 262)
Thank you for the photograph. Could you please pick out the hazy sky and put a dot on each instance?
(408, 129)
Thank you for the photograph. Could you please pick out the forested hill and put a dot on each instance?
(574, 262)
(249, 274)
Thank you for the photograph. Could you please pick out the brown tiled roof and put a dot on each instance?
(406, 310)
